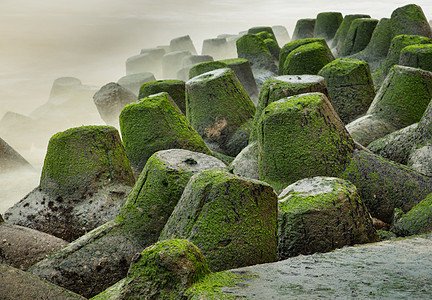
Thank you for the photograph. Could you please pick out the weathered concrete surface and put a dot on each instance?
(398, 269)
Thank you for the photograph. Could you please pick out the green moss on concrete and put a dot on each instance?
(358, 36)
(273, 47)
(232, 220)
(326, 25)
(253, 48)
(386, 235)
(175, 88)
(417, 56)
(80, 160)
(205, 67)
(156, 123)
(343, 29)
(410, 19)
(234, 61)
(304, 29)
(300, 137)
(416, 221)
(287, 48)
(307, 59)
(263, 31)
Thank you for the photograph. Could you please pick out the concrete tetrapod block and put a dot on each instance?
(245, 163)
(218, 48)
(62, 87)
(254, 49)
(410, 19)
(280, 87)
(281, 34)
(216, 106)
(259, 29)
(231, 219)
(188, 62)
(85, 179)
(299, 137)
(156, 123)
(326, 25)
(350, 87)
(343, 29)
(10, 159)
(175, 88)
(172, 63)
(358, 36)
(133, 82)
(401, 101)
(321, 214)
(182, 43)
(164, 270)
(417, 56)
(304, 29)
(205, 67)
(144, 62)
(110, 100)
(102, 257)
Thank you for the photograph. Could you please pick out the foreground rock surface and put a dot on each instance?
(399, 269)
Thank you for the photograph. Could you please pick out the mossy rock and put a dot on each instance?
(243, 70)
(273, 48)
(358, 36)
(417, 220)
(232, 220)
(239, 139)
(343, 29)
(260, 29)
(245, 163)
(299, 137)
(403, 96)
(397, 44)
(81, 160)
(172, 63)
(110, 100)
(102, 257)
(350, 86)
(326, 25)
(205, 67)
(216, 106)
(182, 43)
(133, 82)
(321, 214)
(384, 185)
(280, 87)
(410, 19)
(255, 50)
(164, 270)
(287, 48)
(156, 123)
(304, 29)
(417, 56)
(175, 88)
(307, 59)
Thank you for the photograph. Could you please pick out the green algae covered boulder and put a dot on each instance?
(263, 29)
(321, 214)
(205, 67)
(175, 88)
(307, 59)
(80, 160)
(350, 87)
(343, 29)
(216, 106)
(280, 87)
(358, 36)
(299, 137)
(410, 19)
(254, 49)
(304, 29)
(326, 24)
(231, 219)
(273, 47)
(164, 270)
(156, 123)
(417, 56)
(416, 221)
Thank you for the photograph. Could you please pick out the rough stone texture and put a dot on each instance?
(164, 270)
(321, 214)
(10, 159)
(156, 123)
(110, 100)
(326, 25)
(175, 88)
(133, 82)
(350, 87)
(216, 106)
(16, 284)
(300, 137)
(85, 179)
(239, 139)
(417, 56)
(416, 221)
(358, 36)
(182, 43)
(420, 160)
(205, 67)
(395, 269)
(280, 87)
(22, 247)
(253, 48)
(232, 220)
(172, 63)
(410, 19)
(384, 185)
(343, 29)
(102, 257)
(245, 163)
(304, 29)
